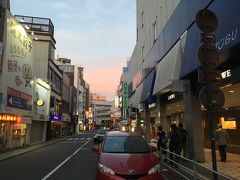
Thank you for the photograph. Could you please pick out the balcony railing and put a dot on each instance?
(36, 24)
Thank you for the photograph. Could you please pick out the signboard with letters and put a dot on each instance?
(125, 95)
(17, 69)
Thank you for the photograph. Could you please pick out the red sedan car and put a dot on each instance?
(126, 155)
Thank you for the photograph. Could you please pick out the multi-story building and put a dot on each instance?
(16, 81)
(82, 87)
(97, 97)
(162, 71)
(42, 32)
(101, 111)
(65, 129)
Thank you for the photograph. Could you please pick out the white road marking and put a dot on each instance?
(69, 142)
(82, 139)
(75, 139)
(70, 139)
(88, 139)
(62, 163)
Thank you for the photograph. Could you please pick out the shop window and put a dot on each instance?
(228, 123)
(19, 130)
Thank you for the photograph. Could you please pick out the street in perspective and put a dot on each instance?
(120, 90)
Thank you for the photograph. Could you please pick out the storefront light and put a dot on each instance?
(11, 118)
(231, 91)
(40, 102)
(132, 129)
(27, 27)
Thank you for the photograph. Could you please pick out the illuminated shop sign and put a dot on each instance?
(229, 123)
(55, 118)
(10, 118)
(152, 105)
(172, 96)
(226, 74)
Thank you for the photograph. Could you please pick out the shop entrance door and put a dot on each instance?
(5, 133)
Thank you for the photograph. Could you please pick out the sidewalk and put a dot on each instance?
(15, 152)
(230, 168)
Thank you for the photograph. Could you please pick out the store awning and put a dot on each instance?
(168, 70)
(148, 85)
(137, 97)
(131, 100)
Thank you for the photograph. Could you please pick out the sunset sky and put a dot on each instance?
(97, 34)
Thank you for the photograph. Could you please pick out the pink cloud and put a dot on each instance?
(104, 80)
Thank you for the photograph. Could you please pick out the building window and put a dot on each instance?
(49, 74)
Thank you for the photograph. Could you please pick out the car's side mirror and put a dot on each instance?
(95, 149)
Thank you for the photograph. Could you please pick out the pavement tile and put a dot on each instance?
(230, 168)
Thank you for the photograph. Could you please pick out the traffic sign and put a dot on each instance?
(215, 98)
(206, 20)
(208, 54)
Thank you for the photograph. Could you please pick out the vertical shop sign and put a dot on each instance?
(125, 95)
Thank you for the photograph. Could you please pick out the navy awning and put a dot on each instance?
(227, 34)
(148, 84)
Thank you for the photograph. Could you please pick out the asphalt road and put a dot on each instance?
(68, 159)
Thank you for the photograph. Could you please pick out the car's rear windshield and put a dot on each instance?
(125, 144)
(101, 131)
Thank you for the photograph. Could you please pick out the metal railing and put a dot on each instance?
(36, 24)
(188, 169)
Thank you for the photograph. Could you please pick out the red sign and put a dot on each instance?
(19, 94)
(11, 118)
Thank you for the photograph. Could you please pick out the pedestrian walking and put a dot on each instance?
(222, 140)
(153, 132)
(162, 142)
(174, 144)
(184, 134)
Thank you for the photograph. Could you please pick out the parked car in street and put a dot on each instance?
(126, 155)
(98, 137)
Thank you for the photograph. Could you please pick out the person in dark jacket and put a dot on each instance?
(184, 135)
(175, 143)
(162, 142)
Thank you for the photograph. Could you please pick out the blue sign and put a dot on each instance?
(17, 102)
(55, 118)
(125, 69)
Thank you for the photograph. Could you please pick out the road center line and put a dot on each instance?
(62, 163)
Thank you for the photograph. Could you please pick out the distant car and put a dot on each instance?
(98, 137)
(126, 155)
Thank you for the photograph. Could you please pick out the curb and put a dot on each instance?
(17, 152)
